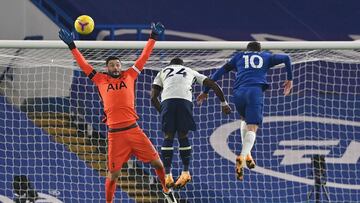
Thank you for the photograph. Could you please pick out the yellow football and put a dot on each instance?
(84, 24)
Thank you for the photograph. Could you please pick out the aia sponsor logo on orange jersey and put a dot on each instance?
(116, 86)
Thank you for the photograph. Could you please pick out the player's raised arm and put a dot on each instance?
(219, 93)
(284, 58)
(156, 30)
(217, 75)
(68, 39)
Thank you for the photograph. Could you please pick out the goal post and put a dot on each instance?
(51, 129)
(235, 45)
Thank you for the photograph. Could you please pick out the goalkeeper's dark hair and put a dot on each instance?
(176, 61)
(253, 46)
(111, 58)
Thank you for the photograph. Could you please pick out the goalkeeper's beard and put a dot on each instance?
(114, 74)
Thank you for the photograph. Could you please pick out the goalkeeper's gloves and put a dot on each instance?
(67, 37)
(156, 30)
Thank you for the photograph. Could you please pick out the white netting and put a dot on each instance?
(51, 130)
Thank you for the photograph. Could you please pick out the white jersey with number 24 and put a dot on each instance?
(177, 81)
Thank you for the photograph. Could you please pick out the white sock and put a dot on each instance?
(248, 143)
(242, 130)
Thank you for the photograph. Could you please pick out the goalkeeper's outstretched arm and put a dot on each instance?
(156, 30)
(67, 38)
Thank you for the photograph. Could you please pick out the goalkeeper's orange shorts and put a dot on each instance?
(123, 144)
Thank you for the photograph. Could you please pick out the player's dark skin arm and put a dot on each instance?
(219, 93)
(212, 85)
(155, 93)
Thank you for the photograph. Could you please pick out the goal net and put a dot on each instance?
(53, 143)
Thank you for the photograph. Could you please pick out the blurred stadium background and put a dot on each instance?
(51, 134)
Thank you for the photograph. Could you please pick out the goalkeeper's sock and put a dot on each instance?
(242, 130)
(185, 152)
(160, 172)
(248, 143)
(110, 187)
(167, 151)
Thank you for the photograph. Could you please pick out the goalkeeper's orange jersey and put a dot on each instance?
(118, 94)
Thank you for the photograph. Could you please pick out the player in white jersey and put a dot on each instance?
(174, 83)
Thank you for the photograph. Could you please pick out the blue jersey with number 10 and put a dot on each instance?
(251, 68)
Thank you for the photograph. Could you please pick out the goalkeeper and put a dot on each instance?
(251, 68)
(174, 82)
(116, 88)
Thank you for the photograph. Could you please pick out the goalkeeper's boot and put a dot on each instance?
(184, 178)
(250, 163)
(169, 196)
(169, 181)
(240, 163)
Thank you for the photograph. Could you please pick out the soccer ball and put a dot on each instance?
(84, 24)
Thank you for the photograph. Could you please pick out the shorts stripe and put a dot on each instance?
(167, 148)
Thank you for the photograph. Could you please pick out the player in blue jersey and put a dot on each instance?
(251, 69)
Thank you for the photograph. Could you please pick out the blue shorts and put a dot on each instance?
(177, 116)
(249, 103)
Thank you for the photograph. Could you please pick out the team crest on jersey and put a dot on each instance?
(116, 86)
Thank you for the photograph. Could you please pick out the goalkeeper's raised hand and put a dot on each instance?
(67, 37)
(156, 30)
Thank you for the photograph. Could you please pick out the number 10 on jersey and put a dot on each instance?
(250, 61)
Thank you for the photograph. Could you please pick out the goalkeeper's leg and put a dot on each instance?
(160, 172)
(145, 151)
(118, 153)
(110, 185)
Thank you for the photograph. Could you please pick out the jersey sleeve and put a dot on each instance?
(157, 80)
(199, 77)
(85, 66)
(232, 63)
(136, 69)
(283, 58)
(221, 71)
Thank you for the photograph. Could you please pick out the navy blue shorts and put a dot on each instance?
(249, 103)
(177, 116)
